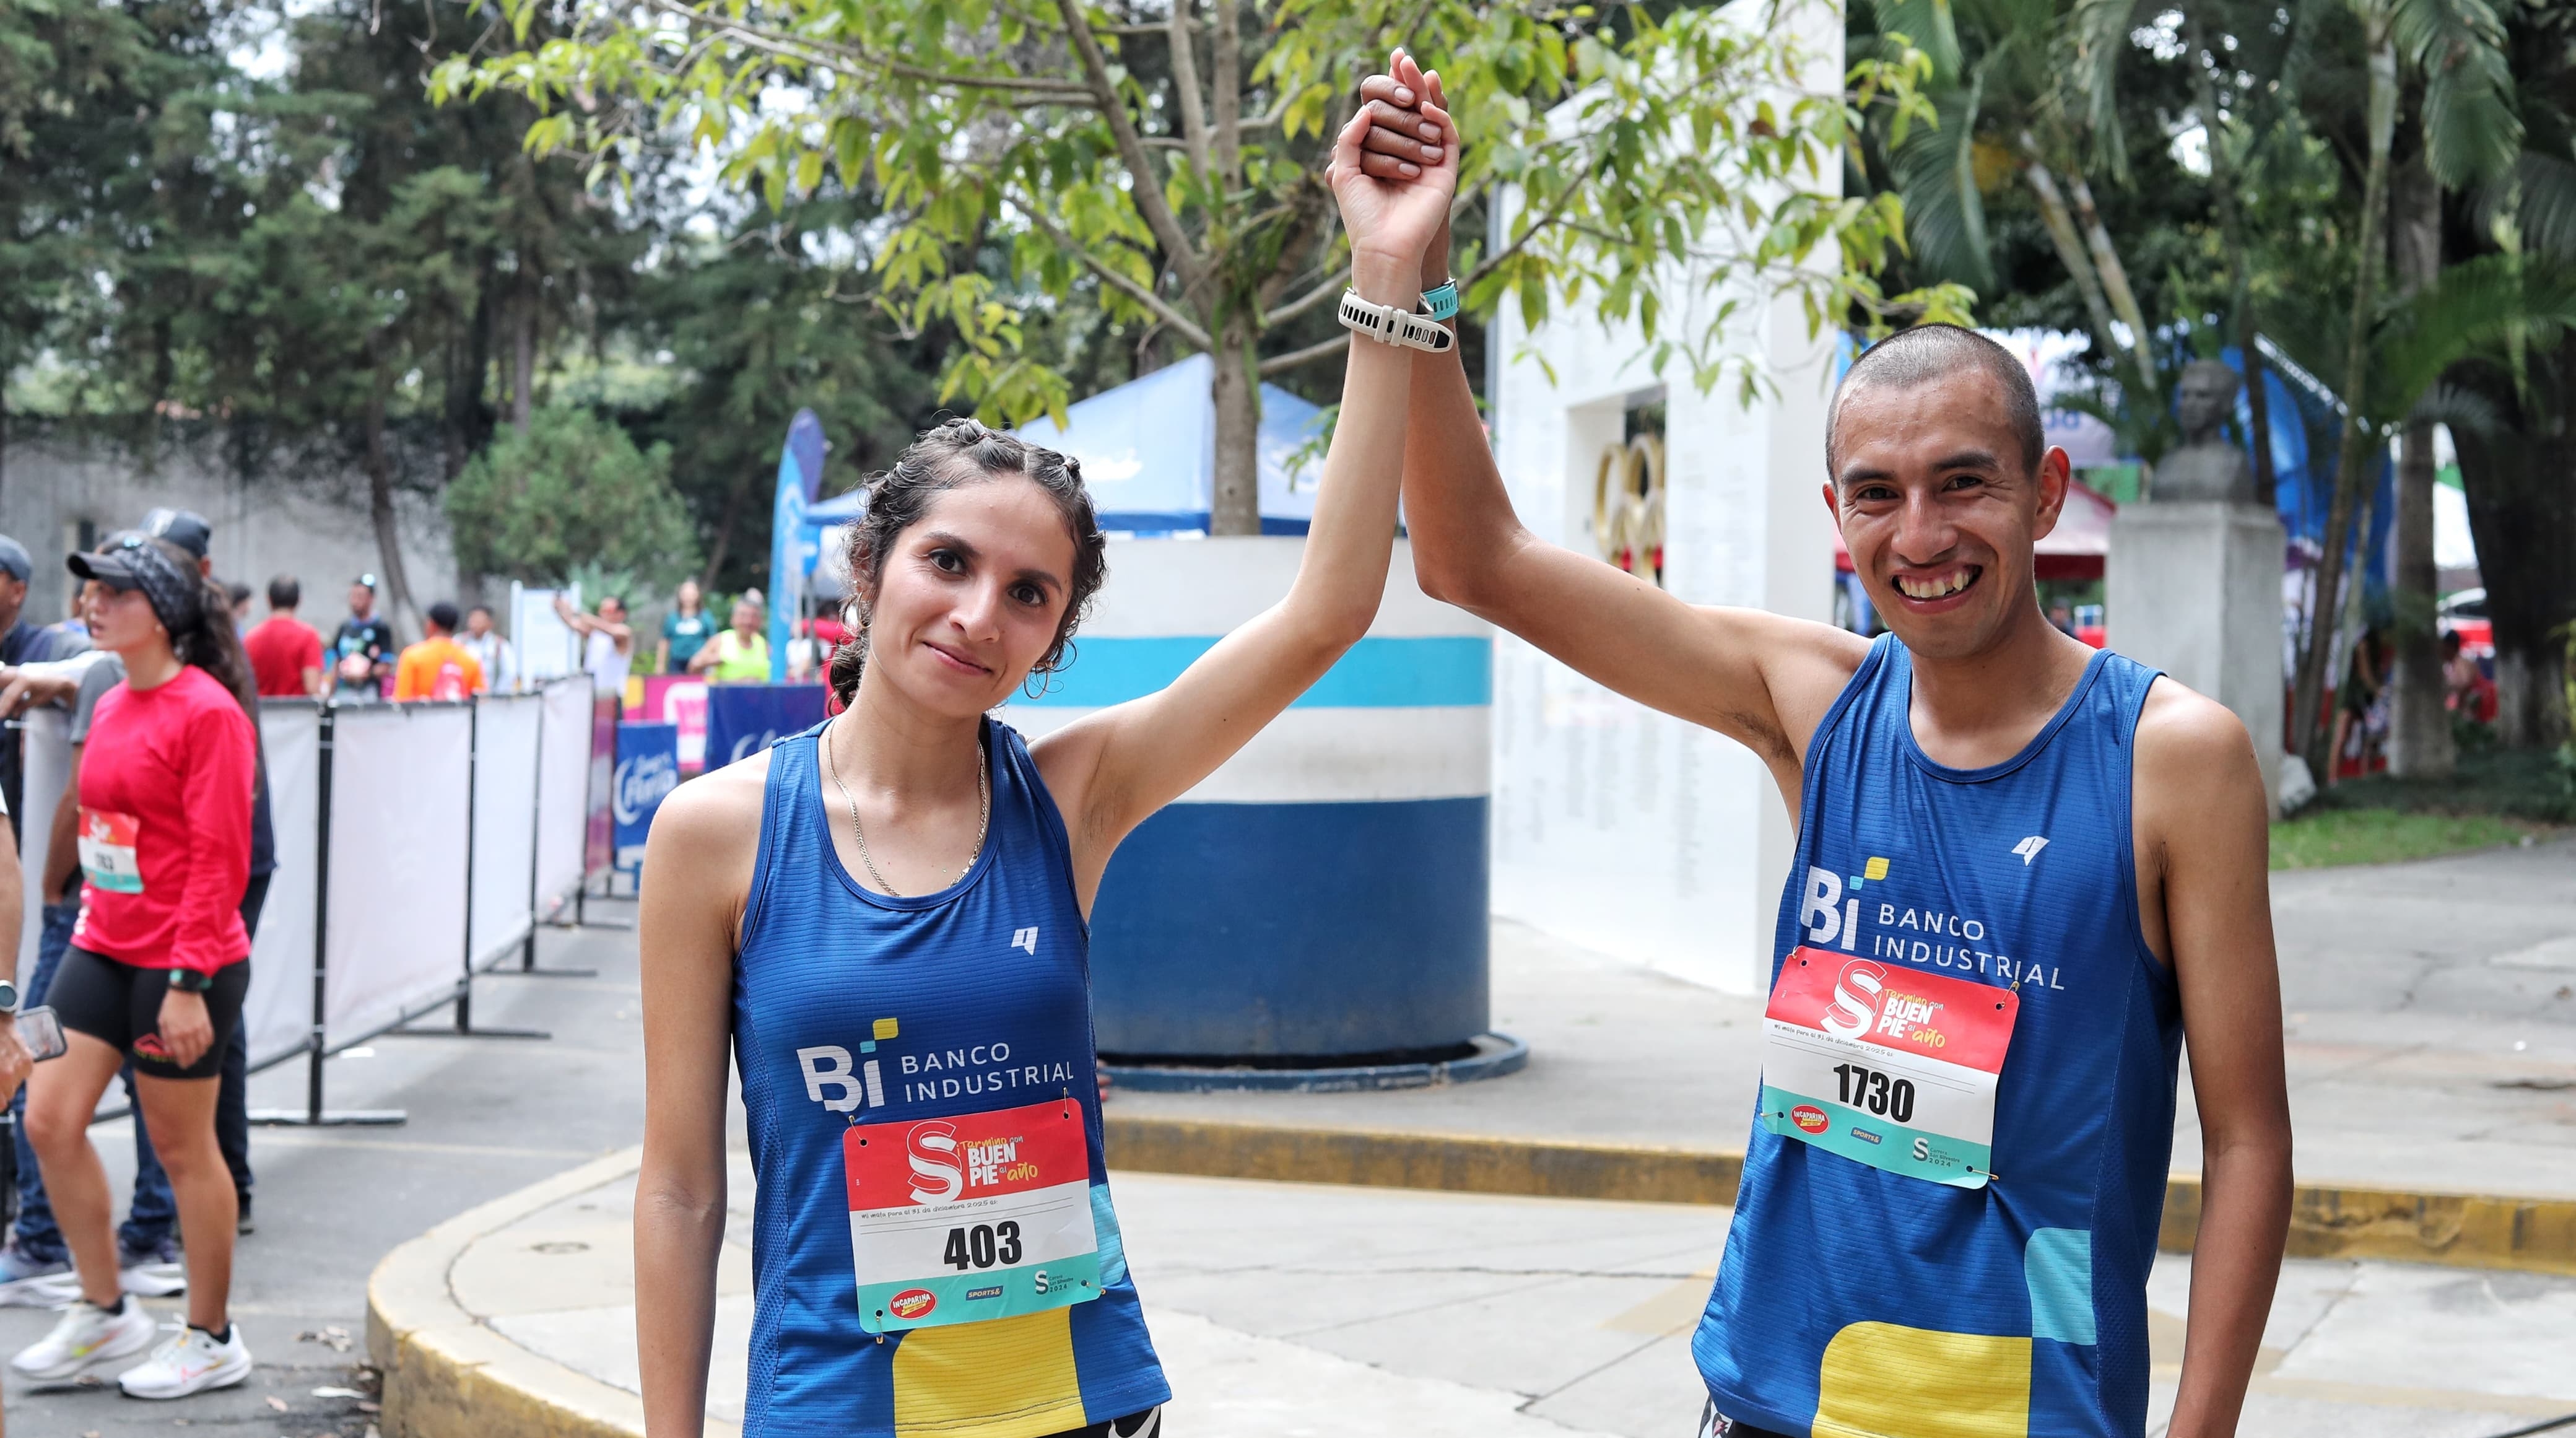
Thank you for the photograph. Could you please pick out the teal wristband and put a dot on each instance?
(1442, 303)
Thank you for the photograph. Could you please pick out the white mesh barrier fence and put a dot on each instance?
(277, 1013)
(563, 793)
(399, 777)
(508, 729)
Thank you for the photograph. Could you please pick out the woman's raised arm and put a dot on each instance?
(1111, 769)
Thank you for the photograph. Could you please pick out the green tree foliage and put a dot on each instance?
(570, 491)
(1168, 159)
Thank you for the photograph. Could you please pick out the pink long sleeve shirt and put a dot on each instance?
(165, 794)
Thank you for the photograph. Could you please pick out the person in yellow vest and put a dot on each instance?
(438, 667)
(739, 654)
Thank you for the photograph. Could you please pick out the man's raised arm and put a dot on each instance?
(1761, 679)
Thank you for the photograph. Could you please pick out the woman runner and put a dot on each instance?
(158, 961)
(935, 1251)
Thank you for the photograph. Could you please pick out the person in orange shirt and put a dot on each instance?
(438, 667)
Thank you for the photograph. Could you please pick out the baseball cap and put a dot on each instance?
(14, 560)
(132, 560)
(183, 527)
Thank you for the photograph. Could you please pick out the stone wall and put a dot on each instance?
(58, 489)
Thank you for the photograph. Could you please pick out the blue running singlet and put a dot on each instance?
(1859, 1303)
(857, 1008)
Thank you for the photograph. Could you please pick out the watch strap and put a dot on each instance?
(1389, 325)
(1441, 303)
(191, 980)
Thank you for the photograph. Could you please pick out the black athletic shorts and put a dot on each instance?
(120, 1004)
(1148, 1424)
(1713, 1424)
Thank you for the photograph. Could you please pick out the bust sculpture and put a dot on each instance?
(2205, 468)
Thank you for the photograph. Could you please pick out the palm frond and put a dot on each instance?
(1932, 28)
(2471, 130)
(2462, 408)
(2097, 31)
(2473, 307)
(2539, 196)
(1935, 172)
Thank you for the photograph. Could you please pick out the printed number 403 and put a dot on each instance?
(1867, 1088)
(982, 1246)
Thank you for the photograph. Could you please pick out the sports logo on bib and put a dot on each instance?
(107, 840)
(1896, 1069)
(976, 1216)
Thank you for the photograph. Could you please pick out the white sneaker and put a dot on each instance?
(188, 1361)
(85, 1337)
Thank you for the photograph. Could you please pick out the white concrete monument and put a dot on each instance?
(1617, 827)
(2193, 582)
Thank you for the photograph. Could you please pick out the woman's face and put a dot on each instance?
(121, 619)
(971, 596)
(688, 596)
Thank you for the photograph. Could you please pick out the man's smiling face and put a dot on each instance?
(1940, 508)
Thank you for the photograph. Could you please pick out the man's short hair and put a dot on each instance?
(285, 592)
(237, 592)
(606, 600)
(443, 614)
(1933, 352)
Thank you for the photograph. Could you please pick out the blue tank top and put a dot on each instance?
(1855, 1301)
(853, 1007)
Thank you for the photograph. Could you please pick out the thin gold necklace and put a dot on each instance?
(983, 822)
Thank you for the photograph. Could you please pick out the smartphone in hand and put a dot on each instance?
(41, 1032)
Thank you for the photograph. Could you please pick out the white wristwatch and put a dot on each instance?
(1389, 325)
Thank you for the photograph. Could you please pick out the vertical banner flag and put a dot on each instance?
(743, 719)
(792, 548)
(648, 768)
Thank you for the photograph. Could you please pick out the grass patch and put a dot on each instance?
(2385, 836)
(2498, 796)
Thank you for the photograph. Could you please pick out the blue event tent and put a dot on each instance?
(1148, 452)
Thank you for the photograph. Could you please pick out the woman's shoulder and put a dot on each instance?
(718, 811)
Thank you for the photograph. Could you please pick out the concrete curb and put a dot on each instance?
(447, 1375)
(2326, 1221)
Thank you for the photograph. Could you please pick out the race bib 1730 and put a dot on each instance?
(107, 849)
(1886, 1065)
(956, 1220)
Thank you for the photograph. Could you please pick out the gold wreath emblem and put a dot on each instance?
(1628, 506)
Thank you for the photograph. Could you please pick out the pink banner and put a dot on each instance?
(676, 699)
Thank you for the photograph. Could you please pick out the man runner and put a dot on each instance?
(2027, 873)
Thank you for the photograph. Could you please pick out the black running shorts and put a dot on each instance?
(1148, 1424)
(120, 1004)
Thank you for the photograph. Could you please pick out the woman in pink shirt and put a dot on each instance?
(158, 962)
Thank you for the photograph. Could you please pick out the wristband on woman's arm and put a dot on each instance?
(192, 981)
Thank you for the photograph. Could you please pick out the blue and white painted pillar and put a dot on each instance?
(1323, 895)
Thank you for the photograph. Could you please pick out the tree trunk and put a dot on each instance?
(2353, 470)
(2115, 287)
(2070, 246)
(380, 509)
(523, 356)
(2419, 734)
(2240, 266)
(1235, 504)
(2522, 512)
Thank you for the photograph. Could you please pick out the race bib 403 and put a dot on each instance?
(1882, 1064)
(107, 849)
(956, 1220)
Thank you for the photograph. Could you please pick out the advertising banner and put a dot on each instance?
(648, 769)
(793, 545)
(743, 719)
(597, 836)
(682, 700)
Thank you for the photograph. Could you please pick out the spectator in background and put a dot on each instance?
(685, 630)
(362, 652)
(285, 652)
(608, 644)
(480, 639)
(2061, 617)
(438, 667)
(23, 643)
(739, 655)
(239, 594)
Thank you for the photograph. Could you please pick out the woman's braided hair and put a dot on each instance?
(953, 455)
